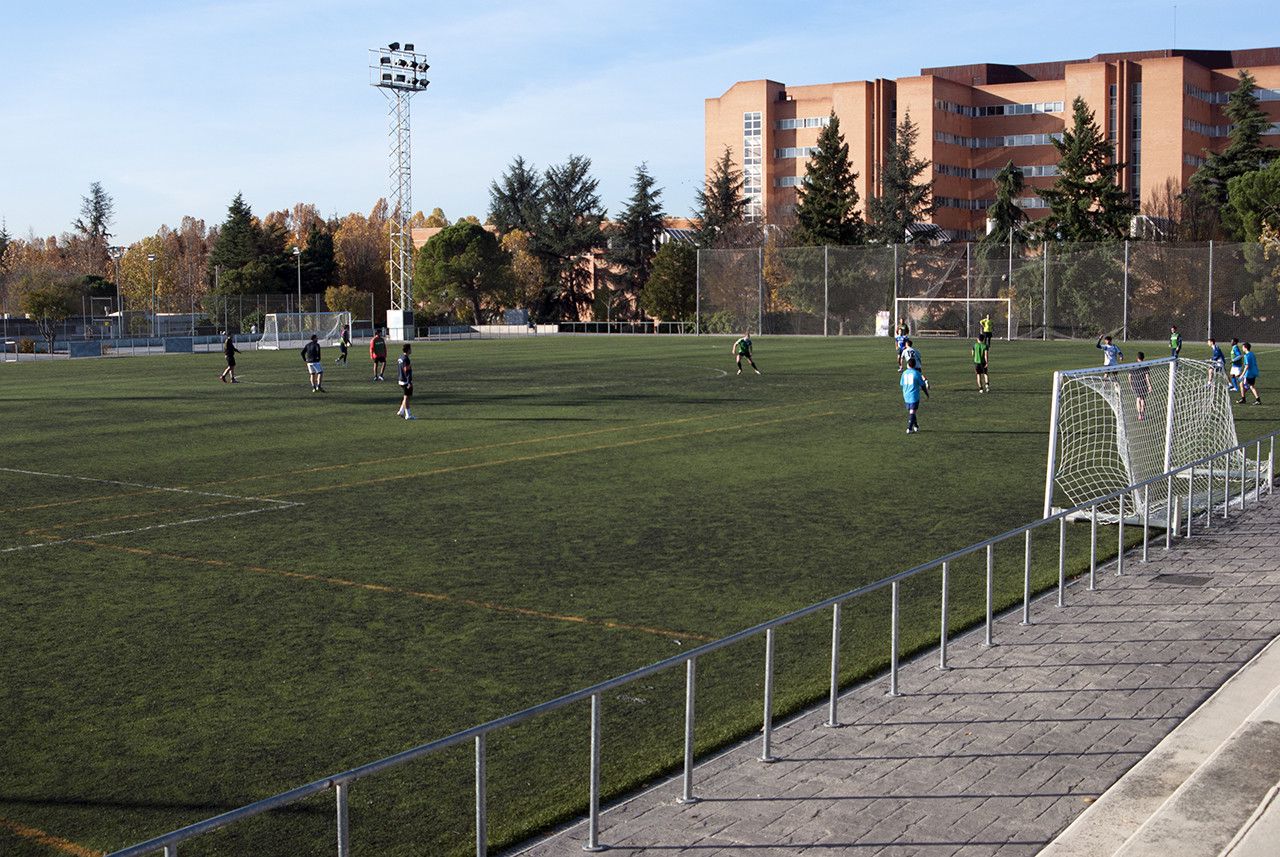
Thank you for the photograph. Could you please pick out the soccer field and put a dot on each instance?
(212, 593)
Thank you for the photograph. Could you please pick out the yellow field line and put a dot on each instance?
(455, 468)
(39, 837)
(47, 528)
(522, 442)
(86, 500)
(396, 590)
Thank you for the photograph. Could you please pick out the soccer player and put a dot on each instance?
(900, 334)
(378, 354)
(908, 352)
(1249, 376)
(1175, 341)
(405, 367)
(1217, 362)
(912, 383)
(979, 350)
(230, 351)
(1111, 354)
(343, 344)
(741, 349)
(1237, 365)
(311, 356)
(1140, 383)
(985, 322)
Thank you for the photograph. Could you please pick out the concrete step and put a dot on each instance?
(1247, 704)
(1260, 837)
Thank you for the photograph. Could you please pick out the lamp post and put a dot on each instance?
(297, 254)
(151, 257)
(115, 253)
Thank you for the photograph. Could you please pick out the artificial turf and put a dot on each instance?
(329, 584)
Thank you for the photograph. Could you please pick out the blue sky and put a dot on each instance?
(175, 107)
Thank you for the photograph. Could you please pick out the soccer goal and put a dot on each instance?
(1111, 427)
(283, 329)
(956, 316)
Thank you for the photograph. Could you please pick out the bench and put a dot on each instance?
(947, 332)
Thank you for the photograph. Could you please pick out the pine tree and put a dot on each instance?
(235, 261)
(515, 200)
(904, 197)
(93, 229)
(827, 203)
(633, 238)
(1244, 152)
(720, 204)
(1086, 202)
(319, 267)
(568, 228)
(1005, 215)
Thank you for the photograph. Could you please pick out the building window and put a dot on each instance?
(1112, 115)
(1008, 141)
(1261, 93)
(1194, 160)
(1030, 171)
(753, 164)
(1208, 130)
(791, 152)
(807, 122)
(999, 109)
(788, 181)
(1135, 137)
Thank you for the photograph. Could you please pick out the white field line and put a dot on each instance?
(276, 505)
(282, 503)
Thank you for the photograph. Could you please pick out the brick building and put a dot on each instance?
(1162, 110)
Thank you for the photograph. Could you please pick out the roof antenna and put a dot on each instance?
(1175, 26)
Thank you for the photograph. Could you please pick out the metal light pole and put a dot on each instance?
(115, 253)
(151, 257)
(297, 254)
(399, 73)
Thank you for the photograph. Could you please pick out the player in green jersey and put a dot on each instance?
(979, 350)
(741, 349)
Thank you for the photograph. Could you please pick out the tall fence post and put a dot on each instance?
(893, 317)
(1209, 313)
(968, 290)
(1044, 309)
(760, 290)
(1124, 318)
(697, 292)
(833, 714)
(766, 738)
(826, 288)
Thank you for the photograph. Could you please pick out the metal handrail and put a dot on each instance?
(341, 781)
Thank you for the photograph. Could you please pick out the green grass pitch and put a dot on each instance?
(238, 589)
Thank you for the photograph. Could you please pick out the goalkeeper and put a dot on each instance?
(741, 349)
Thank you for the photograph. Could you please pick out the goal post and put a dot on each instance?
(283, 329)
(1111, 427)
(956, 316)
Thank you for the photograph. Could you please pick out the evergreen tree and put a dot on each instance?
(1244, 152)
(1004, 214)
(720, 204)
(93, 229)
(827, 200)
(236, 259)
(569, 227)
(515, 200)
(905, 198)
(671, 293)
(319, 266)
(633, 238)
(5, 240)
(1086, 202)
(462, 271)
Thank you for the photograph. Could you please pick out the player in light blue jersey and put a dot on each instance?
(1111, 354)
(1237, 364)
(1217, 360)
(1249, 377)
(913, 384)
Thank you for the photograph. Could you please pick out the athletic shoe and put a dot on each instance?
(410, 417)
(1257, 401)
(321, 390)
(758, 372)
(908, 431)
(234, 381)
(739, 371)
(1240, 401)
(224, 378)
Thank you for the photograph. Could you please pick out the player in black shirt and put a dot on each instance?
(405, 367)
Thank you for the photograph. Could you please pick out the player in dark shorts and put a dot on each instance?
(742, 349)
(405, 367)
(378, 354)
(979, 349)
(1140, 383)
(230, 351)
(343, 344)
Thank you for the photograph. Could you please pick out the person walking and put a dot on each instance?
(1249, 377)
(229, 351)
(311, 356)
(378, 354)
(405, 377)
(343, 344)
(912, 383)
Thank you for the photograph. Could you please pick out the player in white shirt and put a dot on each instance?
(1111, 354)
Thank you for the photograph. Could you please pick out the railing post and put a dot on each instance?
(1062, 562)
(893, 642)
(1168, 513)
(1146, 519)
(1257, 473)
(991, 574)
(1244, 462)
(171, 851)
(1208, 499)
(1271, 465)
(482, 797)
(690, 683)
(344, 824)
(1026, 578)
(593, 813)
(1093, 546)
(1191, 495)
(1120, 540)
(944, 630)
(767, 731)
(833, 714)
(1226, 485)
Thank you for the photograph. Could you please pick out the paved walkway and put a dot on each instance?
(998, 754)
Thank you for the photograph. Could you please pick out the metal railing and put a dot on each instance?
(1219, 464)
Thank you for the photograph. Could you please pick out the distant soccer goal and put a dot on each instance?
(1112, 427)
(957, 316)
(283, 329)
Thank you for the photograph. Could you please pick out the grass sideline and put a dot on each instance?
(298, 583)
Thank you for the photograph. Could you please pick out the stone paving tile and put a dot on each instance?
(998, 753)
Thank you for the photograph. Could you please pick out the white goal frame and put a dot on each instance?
(295, 328)
(901, 309)
(1098, 443)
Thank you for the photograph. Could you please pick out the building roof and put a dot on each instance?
(979, 74)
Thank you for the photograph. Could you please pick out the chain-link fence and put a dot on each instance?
(1131, 290)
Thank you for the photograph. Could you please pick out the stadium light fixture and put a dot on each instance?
(297, 254)
(395, 46)
(115, 253)
(151, 258)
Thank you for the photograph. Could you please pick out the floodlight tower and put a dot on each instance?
(399, 73)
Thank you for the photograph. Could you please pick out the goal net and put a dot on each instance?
(1124, 424)
(957, 316)
(283, 329)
